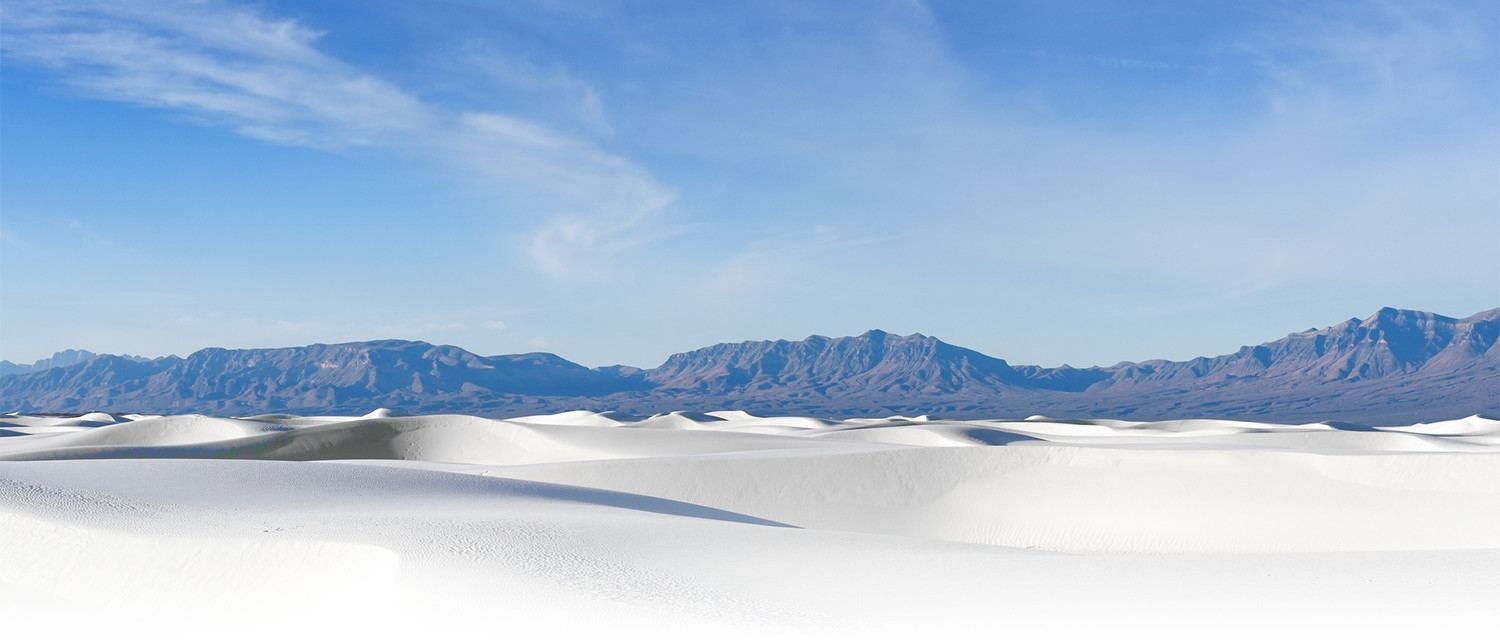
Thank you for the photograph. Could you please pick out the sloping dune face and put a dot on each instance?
(1072, 486)
(727, 519)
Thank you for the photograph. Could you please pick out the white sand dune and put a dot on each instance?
(725, 523)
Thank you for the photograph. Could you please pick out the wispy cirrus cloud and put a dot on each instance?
(221, 64)
(605, 200)
(520, 73)
(1374, 63)
(263, 77)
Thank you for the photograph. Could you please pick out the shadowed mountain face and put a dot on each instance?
(316, 378)
(873, 363)
(1394, 367)
(322, 373)
(1390, 343)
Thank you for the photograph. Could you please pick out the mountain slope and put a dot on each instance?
(59, 359)
(353, 376)
(1390, 342)
(1395, 366)
(874, 362)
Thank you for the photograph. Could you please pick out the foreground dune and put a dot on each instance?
(728, 523)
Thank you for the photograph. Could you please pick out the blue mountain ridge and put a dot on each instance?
(1396, 366)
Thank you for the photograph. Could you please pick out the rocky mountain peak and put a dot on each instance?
(1394, 365)
(870, 361)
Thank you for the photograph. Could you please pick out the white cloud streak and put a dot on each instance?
(264, 78)
(520, 74)
(227, 66)
(1371, 63)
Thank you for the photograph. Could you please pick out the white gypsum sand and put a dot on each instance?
(727, 523)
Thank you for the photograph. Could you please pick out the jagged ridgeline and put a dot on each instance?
(1395, 367)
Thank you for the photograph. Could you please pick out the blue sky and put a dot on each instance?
(614, 182)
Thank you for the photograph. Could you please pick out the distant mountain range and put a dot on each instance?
(59, 359)
(1395, 367)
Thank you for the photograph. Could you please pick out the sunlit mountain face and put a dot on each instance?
(1396, 366)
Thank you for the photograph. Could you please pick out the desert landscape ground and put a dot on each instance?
(729, 524)
(773, 319)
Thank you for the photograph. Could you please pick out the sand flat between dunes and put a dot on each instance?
(727, 523)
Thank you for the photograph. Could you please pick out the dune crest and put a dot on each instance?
(724, 522)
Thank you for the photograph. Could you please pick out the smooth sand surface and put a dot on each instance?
(728, 524)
